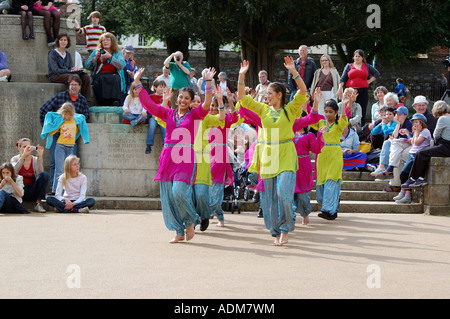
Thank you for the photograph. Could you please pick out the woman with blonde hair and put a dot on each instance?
(327, 79)
(107, 63)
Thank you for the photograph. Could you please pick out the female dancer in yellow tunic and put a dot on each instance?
(278, 162)
(330, 161)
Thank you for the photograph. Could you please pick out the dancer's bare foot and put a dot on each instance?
(277, 242)
(284, 239)
(221, 223)
(177, 239)
(190, 232)
(305, 220)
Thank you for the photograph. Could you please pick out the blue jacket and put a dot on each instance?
(54, 120)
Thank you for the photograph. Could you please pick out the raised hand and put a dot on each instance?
(289, 63)
(138, 74)
(317, 94)
(218, 92)
(209, 74)
(244, 67)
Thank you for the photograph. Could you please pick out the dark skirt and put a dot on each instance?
(107, 88)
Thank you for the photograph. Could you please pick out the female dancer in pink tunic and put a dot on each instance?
(221, 171)
(304, 143)
(176, 173)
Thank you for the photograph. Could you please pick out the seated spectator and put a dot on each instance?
(70, 196)
(395, 150)
(378, 95)
(11, 190)
(193, 82)
(441, 148)
(165, 76)
(153, 121)
(61, 67)
(421, 106)
(355, 114)
(5, 73)
(225, 84)
(46, 9)
(420, 140)
(25, 9)
(350, 149)
(384, 129)
(391, 99)
(31, 168)
(130, 65)
(107, 64)
(201, 83)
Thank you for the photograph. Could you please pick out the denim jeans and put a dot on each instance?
(385, 152)
(52, 159)
(59, 205)
(36, 191)
(152, 125)
(134, 119)
(61, 153)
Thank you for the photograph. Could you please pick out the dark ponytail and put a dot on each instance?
(333, 104)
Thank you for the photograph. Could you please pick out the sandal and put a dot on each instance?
(391, 189)
(385, 174)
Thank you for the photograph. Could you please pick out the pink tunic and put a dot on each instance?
(177, 160)
(304, 144)
(252, 118)
(220, 163)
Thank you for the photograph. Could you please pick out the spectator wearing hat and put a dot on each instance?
(421, 139)
(130, 65)
(441, 148)
(397, 148)
(421, 106)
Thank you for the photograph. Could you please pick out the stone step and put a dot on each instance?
(360, 195)
(346, 206)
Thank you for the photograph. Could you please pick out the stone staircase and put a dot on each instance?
(131, 187)
(359, 194)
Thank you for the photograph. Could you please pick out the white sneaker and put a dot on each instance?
(38, 208)
(399, 196)
(378, 170)
(84, 210)
(404, 200)
(4, 78)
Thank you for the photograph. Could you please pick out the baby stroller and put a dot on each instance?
(233, 193)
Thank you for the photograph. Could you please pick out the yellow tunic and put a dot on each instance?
(278, 152)
(330, 161)
(202, 148)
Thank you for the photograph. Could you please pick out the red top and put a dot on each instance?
(358, 78)
(108, 68)
(28, 174)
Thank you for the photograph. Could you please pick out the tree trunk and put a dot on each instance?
(178, 44)
(254, 49)
(212, 54)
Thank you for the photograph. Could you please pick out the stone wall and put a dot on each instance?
(21, 99)
(437, 192)
(27, 60)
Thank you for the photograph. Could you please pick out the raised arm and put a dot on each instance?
(218, 94)
(289, 64)
(209, 75)
(241, 79)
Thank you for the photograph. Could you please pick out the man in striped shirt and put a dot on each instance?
(92, 31)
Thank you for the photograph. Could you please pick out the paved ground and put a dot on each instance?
(126, 254)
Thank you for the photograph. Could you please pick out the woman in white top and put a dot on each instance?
(327, 78)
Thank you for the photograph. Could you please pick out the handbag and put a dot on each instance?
(364, 147)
